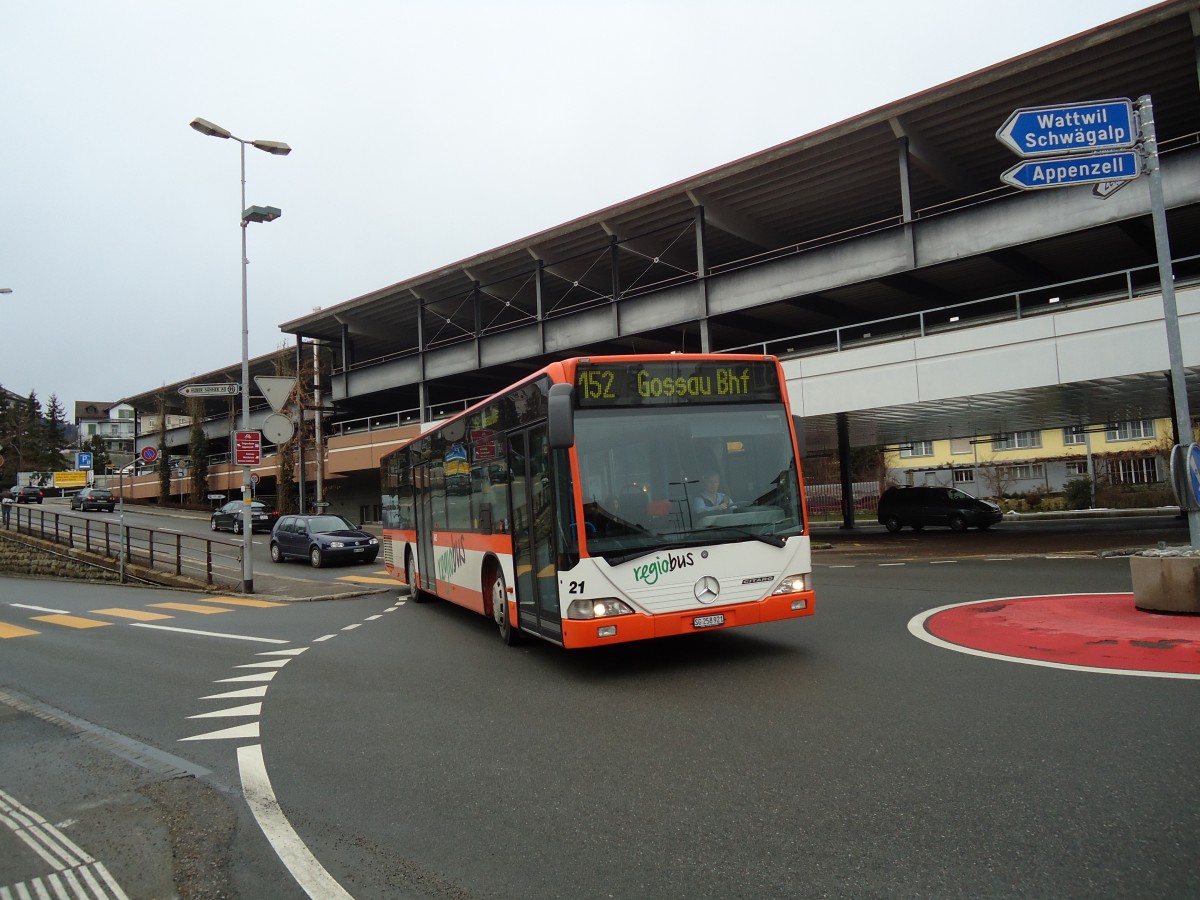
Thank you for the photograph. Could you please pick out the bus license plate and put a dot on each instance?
(708, 621)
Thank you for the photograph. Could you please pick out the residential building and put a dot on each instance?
(1135, 452)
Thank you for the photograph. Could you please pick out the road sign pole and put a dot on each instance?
(1166, 279)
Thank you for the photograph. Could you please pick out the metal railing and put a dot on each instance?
(214, 562)
(1111, 287)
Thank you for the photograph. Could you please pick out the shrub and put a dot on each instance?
(1078, 493)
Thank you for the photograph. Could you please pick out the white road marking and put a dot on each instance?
(885, 565)
(260, 691)
(324, 638)
(218, 634)
(351, 627)
(942, 562)
(257, 676)
(373, 618)
(237, 732)
(260, 796)
(62, 854)
(266, 664)
(249, 709)
(295, 651)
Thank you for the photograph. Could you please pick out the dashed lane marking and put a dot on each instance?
(141, 615)
(14, 631)
(192, 607)
(72, 621)
(242, 601)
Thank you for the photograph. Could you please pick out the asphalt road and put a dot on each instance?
(416, 756)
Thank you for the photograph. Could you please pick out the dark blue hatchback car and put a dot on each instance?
(321, 539)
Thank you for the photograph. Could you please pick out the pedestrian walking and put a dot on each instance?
(7, 502)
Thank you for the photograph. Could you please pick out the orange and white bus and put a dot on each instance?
(609, 499)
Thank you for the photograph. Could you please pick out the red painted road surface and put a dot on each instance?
(1095, 630)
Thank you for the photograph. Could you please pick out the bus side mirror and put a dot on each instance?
(562, 416)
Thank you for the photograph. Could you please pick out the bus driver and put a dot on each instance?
(710, 499)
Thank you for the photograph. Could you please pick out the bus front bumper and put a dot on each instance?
(639, 626)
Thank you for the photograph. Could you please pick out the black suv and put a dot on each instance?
(921, 506)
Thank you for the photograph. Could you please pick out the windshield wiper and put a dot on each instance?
(772, 539)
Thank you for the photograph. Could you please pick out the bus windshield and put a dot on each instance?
(662, 477)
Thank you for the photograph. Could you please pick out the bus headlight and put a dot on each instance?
(597, 609)
(792, 584)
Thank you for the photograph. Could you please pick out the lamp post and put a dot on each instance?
(249, 214)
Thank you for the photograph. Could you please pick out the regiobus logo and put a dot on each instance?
(649, 572)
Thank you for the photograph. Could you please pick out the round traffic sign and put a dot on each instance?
(149, 454)
(278, 429)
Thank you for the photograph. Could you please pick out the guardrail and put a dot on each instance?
(214, 562)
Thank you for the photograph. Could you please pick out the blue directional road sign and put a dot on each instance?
(1067, 170)
(1074, 128)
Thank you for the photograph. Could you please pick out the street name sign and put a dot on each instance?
(247, 448)
(224, 389)
(1067, 170)
(1077, 127)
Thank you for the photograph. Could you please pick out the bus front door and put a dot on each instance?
(533, 532)
(422, 482)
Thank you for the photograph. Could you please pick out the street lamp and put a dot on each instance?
(249, 214)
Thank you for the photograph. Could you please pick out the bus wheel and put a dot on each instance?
(410, 576)
(498, 598)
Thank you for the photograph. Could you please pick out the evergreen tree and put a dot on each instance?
(55, 436)
(164, 464)
(198, 452)
(100, 458)
(27, 445)
(8, 471)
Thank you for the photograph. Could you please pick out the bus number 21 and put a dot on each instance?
(576, 587)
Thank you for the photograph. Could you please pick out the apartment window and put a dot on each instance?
(1025, 473)
(917, 448)
(124, 413)
(959, 446)
(1074, 434)
(964, 476)
(1140, 470)
(1017, 440)
(1077, 468)
(1133, 430)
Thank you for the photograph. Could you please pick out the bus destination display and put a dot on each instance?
(669, 383)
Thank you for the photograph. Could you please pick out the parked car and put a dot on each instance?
(921, 506)
(321, 539)
(23, 493)
(229, 517)
(94, 498)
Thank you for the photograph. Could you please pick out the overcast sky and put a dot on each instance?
(421, 133)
